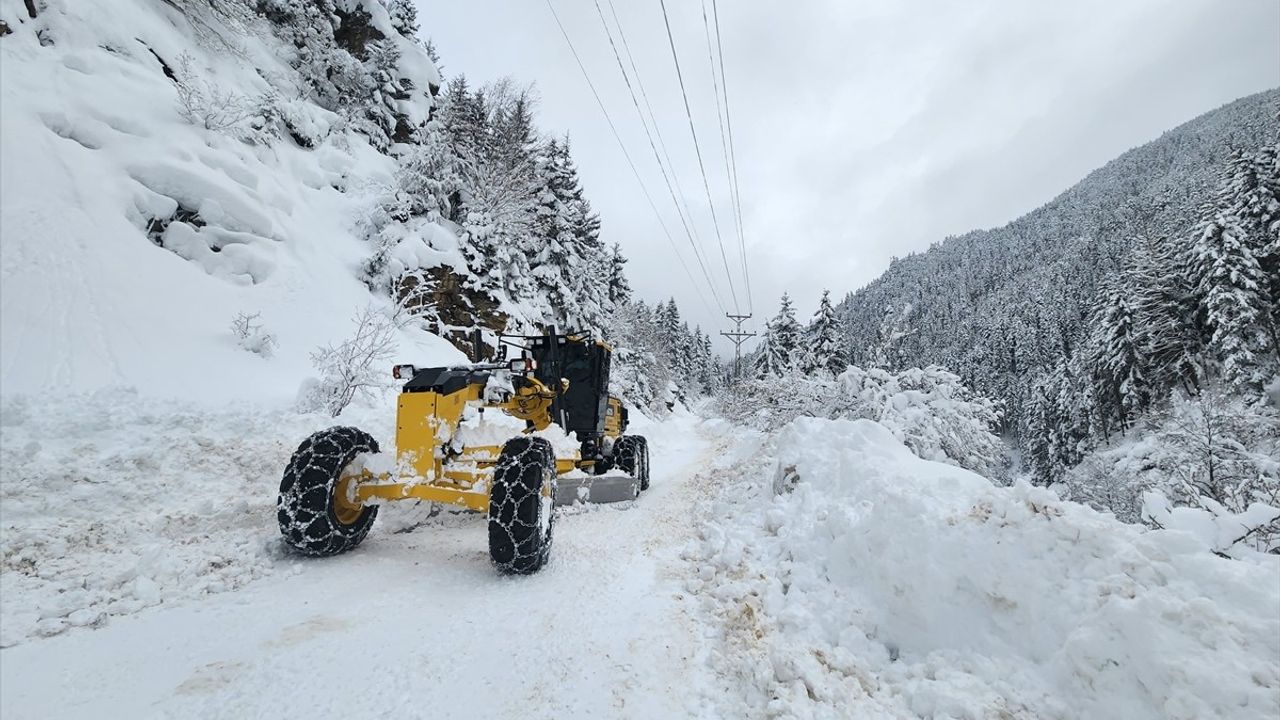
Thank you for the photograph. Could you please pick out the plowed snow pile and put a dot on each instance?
(858, 580)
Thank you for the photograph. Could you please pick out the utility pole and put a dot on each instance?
(738, 337)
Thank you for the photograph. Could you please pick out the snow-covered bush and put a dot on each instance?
(770, 403)
(930, 410)
(203, 102)
(251, 335)
(1220, 529)
(352, 368)
(1213, 452)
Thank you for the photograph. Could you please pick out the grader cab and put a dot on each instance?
(336, 479)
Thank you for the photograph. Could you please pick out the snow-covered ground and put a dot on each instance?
(820, 571)
(174, 508)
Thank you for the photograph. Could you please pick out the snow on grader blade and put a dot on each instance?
(332, 487)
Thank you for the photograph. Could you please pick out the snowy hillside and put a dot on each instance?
(134, 236)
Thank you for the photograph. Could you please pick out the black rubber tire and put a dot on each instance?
(521, 517)
(305, 508)
(631, 454)
(602, 466)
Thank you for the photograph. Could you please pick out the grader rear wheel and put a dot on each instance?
(313, 510)
(632, 456)
(521, 503)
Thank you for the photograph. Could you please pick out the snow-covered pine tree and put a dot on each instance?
(1253, 190)
(457, 121)
(1233, 293)
(708, 378)
(679, 347)
(824, 347)
(1118, 352)
(496, 203)
(1077, 410)
(764, 364)
(556, 259)
(687, 360)
(1040, 418)
(619, 289)
(589, 272)
(404, 17)
(428, 176)
(1168, 312)
(785, 337)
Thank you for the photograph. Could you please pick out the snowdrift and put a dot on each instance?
(115, 502)
(859, 580)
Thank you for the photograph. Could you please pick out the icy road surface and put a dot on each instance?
(412, 624)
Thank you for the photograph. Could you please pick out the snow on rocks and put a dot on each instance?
(854, 579)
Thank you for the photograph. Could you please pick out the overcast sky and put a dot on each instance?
(864, 129)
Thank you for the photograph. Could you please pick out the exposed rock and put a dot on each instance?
(157, 226)
(354, 32)
(441, 296)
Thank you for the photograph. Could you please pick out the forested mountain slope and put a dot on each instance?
(1002, 306)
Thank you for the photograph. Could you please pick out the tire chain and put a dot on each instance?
(304, 506)
(517, 541)
(632, 456)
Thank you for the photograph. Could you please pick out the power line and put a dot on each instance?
(706, 184)
(653, 120)
(724, 146)
(627, 155)
(652, 146)
(733, 156)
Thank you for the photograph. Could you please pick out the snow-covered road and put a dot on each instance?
(820, 571)
(413, 624)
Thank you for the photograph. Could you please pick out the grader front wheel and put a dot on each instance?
(521, 506)
(314, 511)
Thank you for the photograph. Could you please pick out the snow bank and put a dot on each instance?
(857, 580)
(114, 502)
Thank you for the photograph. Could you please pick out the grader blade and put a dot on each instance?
(596, 489)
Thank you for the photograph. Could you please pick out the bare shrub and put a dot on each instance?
(352, 368)
(203, 102)
(251, 335)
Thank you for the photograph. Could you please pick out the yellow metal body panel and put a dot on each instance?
(531, 403)
(474, 500)
(431, 469)
(613, 418)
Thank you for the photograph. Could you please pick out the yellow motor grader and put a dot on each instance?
(332, 487)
